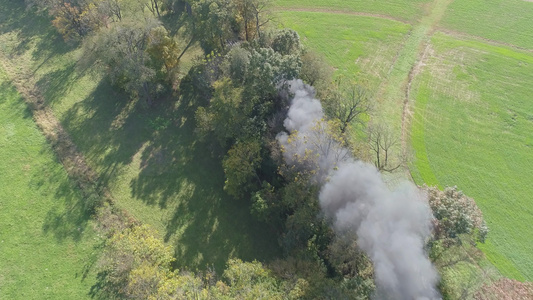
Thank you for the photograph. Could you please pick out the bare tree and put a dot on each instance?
(347, 104)
(112, 8)
(382, 141)
(252, 13)
(259, 10)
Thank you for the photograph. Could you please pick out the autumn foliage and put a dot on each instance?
(455, 214)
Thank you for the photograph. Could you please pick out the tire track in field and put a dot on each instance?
(394, 92)
(342, 12)
(462, 35)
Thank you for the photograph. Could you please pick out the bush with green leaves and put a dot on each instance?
(455, 214)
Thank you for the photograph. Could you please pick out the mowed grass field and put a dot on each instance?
(400, 9)
(47, 243)
(358, 47)
(148, 157)
(470, 97)
(473, 128)
(506, 21)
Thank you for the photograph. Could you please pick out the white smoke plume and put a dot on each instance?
(309, 146)
(390, 226)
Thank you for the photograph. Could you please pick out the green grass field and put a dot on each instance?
(401, 9)
(148, 157)
(506, 21)
(472, 128)
(47, 243)
(365, 54)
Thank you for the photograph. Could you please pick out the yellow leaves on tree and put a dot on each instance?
(73, 22)
(163, 49)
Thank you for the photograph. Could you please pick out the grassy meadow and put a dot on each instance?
(505, 21)
(471, 109)
(366, 53)
(47, 242)
(472, 128)
(148, 157)
(400, 9)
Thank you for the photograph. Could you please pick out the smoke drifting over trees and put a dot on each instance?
(391, 226)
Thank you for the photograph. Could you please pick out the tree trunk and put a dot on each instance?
(246, 29)
(157, 8)
(186, 47)
(257, 23)
(149, 100)
(189, 13)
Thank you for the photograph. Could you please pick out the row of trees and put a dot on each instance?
(137, 265)
(244, 112)
(238, 106)
(139, 54)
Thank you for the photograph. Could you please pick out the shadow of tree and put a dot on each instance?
(108, 127)
(31, 27)
(7, 88)
(56, 83)
(178, 174)
(184, 175)
(68, 217)
(70, 214)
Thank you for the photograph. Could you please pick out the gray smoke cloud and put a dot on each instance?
(309, 145)
(391, 225)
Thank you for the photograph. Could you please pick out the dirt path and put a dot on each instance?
(342, 12)
(462, 35)
(406, 111)
(394, 93)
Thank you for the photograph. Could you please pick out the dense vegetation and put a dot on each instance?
(177, 104)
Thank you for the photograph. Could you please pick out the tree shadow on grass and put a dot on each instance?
(68, 217)
(106, 128)
(56, 83)
(29, 27)
(178, 172)
(6, 90)
(184, 176)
